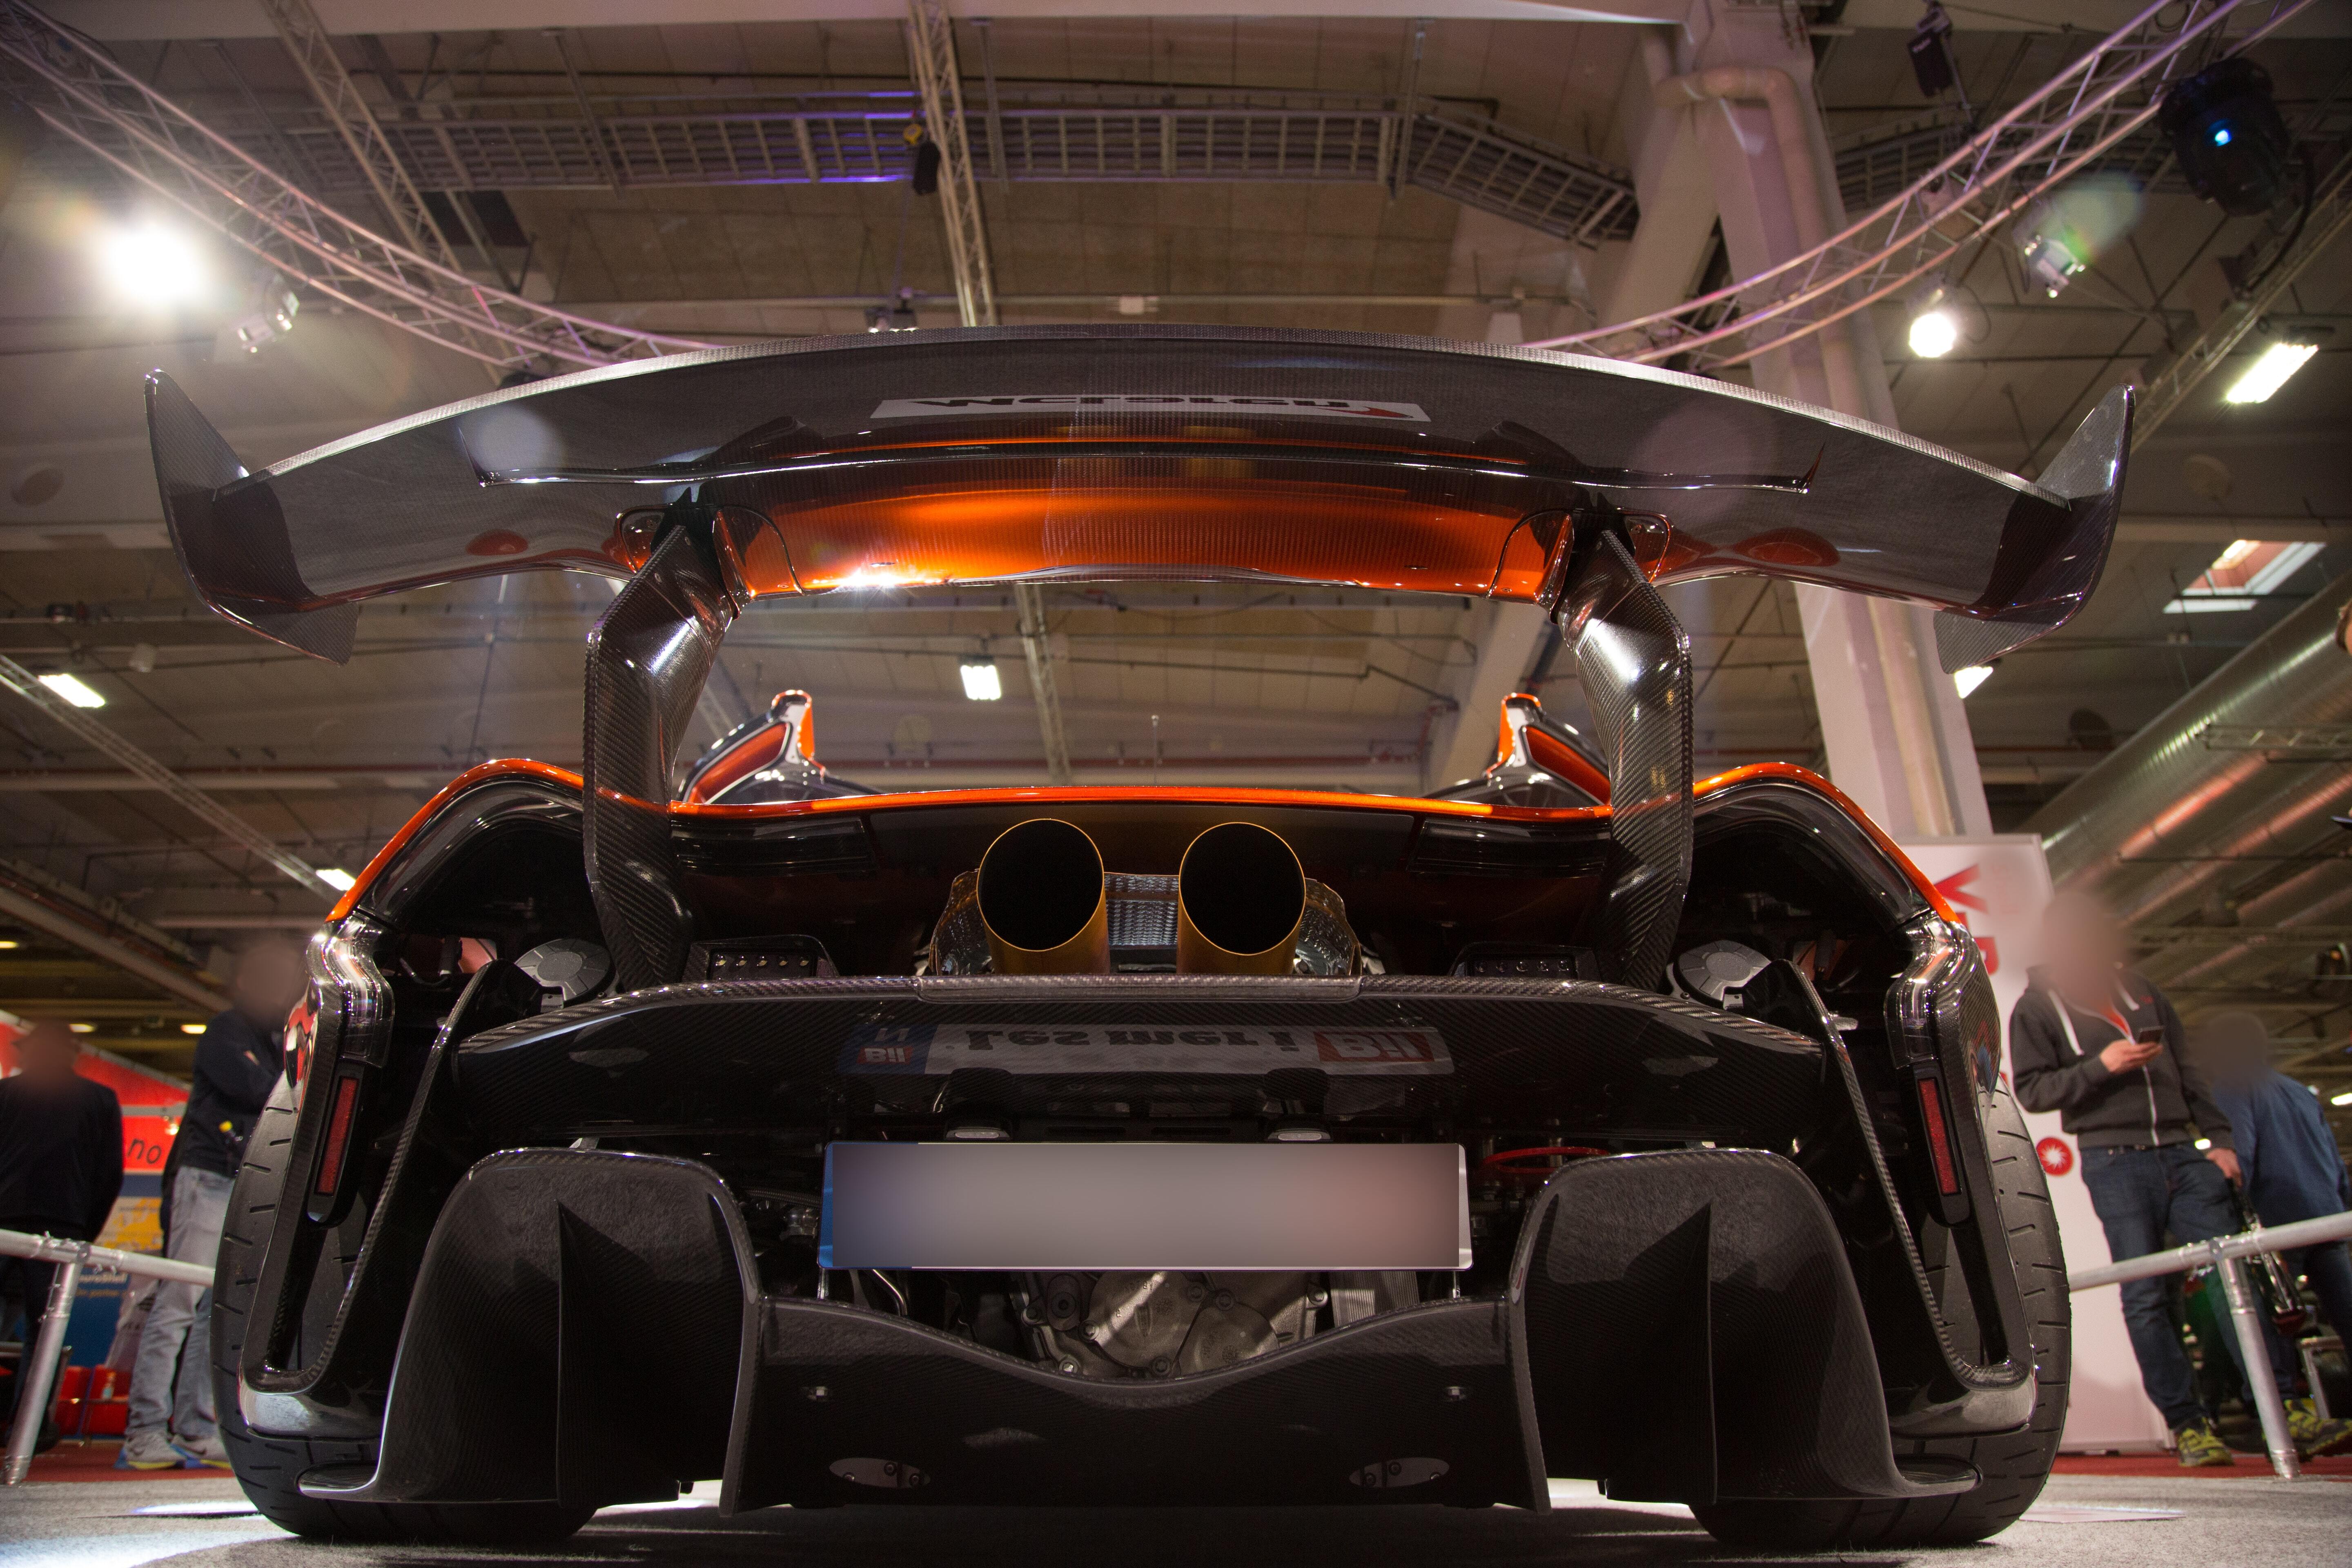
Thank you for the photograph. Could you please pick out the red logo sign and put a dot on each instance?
(1373, 1045)
(2057, 1155)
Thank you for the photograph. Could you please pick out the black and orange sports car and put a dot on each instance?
(1140, 1146)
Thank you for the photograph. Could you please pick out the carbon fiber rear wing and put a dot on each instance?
(1095, 453)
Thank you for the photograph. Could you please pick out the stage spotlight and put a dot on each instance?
(1935, 328)
(149, 264)
(2050, 258)
(1931, 53)
(2226, 135)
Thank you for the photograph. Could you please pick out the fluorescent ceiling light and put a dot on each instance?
(9, 944)
(2269, 372)
(1974, 675)
(981, 682)
(1934, 333)
(193, 1028)
(83, 1028)
(335, 877)
(151, 264)
(2344, 1098)
(72, 689)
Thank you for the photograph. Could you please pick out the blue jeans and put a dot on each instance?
(2140, 1194)
(2329, 1269)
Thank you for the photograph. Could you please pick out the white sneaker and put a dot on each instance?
(150, 1450)
(203, 1450)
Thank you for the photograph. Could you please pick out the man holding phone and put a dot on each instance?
(2099, 1044)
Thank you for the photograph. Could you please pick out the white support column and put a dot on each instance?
(1891, 723)
(1671, 179)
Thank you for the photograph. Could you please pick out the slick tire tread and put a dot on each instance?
(269, 1469)
(2014, 1465)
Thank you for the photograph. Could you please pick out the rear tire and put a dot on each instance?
(2014, 1465)
(271, 1468)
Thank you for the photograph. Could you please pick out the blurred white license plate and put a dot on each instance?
(1202, 1207)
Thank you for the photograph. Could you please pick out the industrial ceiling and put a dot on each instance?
(658, 176)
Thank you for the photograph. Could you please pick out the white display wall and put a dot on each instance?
(2000, 885)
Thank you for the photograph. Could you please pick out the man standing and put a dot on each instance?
(2288, 1160)
(2099, 1044)
(238, 1061)
(60, 1169)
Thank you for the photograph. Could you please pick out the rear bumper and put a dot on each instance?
(1678, 1325)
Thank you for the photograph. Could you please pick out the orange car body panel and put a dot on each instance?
(1043, 798)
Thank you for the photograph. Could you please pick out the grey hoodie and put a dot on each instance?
(2164, 1102)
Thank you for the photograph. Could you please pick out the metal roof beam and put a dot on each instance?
(15, 677)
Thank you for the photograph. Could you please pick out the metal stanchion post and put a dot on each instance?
(2255, 1352)
(37, 1374)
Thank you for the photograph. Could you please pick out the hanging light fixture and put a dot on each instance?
(2051, 257)
(2226, 132)
(1934, 326)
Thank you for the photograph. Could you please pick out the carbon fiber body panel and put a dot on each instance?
(596, 1303)
(1703, 1299)
(771, 1054)
(647, 660)
(1679, 1326)
(1633, 660)
(831, 1386)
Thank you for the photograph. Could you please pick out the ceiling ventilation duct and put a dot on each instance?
(2165, 823)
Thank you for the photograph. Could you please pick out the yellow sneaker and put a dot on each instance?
(2200, 1448)
(2315, 1434)
(149, 1451)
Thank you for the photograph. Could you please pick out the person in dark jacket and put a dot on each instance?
(2291, 1167)
(2140, 1109)
(60, 1171)
(238, 1062)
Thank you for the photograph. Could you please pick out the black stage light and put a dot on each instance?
(1931, 52)
(2228, 135)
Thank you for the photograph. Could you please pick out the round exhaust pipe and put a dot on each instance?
(1041, 900)
(1241, 895)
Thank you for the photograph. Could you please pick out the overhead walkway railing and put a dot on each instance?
(1081, 132)
(37, 1365)
(2226, 1257)
(2062, 129)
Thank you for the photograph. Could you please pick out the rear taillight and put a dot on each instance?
(334, 1149)
(1943, 1158)
(1939, 1136)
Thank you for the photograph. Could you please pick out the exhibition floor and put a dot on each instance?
(2082, 1522)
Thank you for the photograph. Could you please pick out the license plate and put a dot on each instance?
(1196, 1206)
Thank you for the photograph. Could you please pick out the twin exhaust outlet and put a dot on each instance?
(1240, 900)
